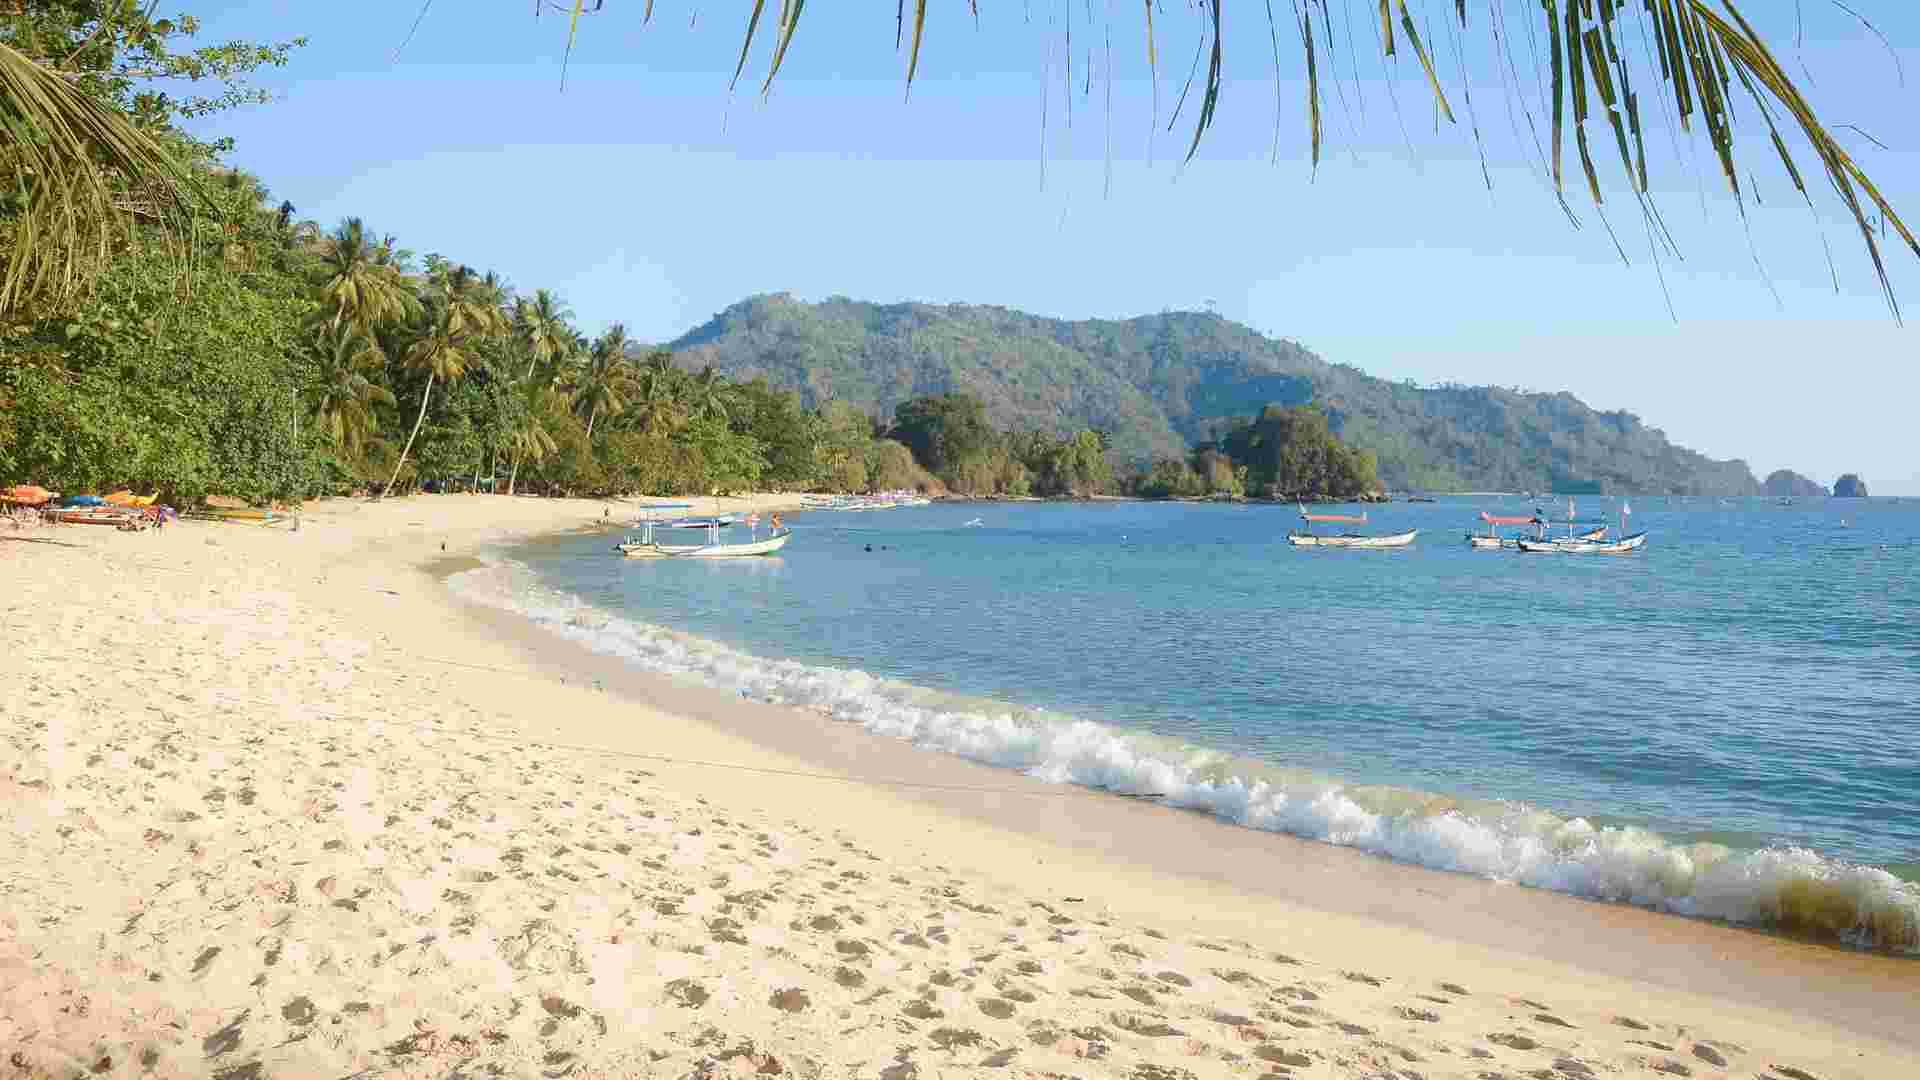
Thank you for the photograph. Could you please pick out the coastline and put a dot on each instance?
(347, 632)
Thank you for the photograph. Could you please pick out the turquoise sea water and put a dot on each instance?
(1696, 727)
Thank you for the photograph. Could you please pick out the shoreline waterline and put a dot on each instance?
(1852, 989)
(1790, 890)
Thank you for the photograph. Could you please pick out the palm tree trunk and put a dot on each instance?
(405, 450)
(513, 473)
(591, 417)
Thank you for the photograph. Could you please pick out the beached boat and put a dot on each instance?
(647, 545)
(1307, 538)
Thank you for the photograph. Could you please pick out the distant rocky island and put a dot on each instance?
(1157, 386)
(1789, 483)
(1850, 486)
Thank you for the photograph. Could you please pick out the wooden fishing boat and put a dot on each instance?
(1352, 540)
(117, 518)
(1585, 547)
(1491, 539)
(648, 546)
(1591, 542)
(1307, 538)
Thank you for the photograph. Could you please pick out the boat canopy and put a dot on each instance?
(1360, 520)
(1497, 519)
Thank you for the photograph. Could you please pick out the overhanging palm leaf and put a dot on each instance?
(79, 172)
(1706, 50)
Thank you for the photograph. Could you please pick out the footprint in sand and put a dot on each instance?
(998, 1008)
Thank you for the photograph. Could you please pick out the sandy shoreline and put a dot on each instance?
(276, 804)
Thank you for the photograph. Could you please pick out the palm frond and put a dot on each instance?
(81, 172)
(1704, 48)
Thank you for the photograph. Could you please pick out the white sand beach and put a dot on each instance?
(276, 803)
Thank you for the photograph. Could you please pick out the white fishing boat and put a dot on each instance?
(1491, 539)
(1585, 547)
(1307, 538)
(1593, 542)
(647, 545)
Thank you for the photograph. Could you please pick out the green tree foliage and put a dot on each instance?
(344, 393)
(1161, 384)
(1291, 452)
(946, 432)
(843, 447)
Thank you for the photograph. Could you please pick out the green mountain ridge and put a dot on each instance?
(1160, 384)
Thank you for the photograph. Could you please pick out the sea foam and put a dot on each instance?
(1786, 888)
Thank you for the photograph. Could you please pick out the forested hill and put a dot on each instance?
(1160, 383)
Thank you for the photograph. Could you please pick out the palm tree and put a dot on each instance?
(599, 385)
(528, 437)
(471, 300)
(344, 399)
(364, 283)
(444, 351)
(657, 391)
(543, 328)
(711, 394)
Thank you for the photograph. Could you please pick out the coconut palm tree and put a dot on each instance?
(528, 438)
(344, 398)
(657, 392)
(599, 386)
(445, 350)
(542, 323)
(472, 301)
(710, 394)
(364, 282)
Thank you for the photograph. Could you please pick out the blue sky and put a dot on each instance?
(642, 194)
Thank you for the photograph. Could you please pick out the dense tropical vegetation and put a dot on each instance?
(250, 353)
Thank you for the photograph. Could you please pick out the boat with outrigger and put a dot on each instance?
(650, 544)
(1306, 537)
(1588, 543)
(1492, 539)
(885, 500)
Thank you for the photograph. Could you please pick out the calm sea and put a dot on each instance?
(1726, 724)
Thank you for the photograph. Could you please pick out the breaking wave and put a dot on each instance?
(1792, 889)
